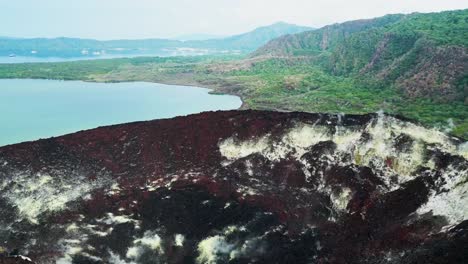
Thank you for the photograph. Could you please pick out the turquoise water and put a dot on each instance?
(24, 59)
(33, 109)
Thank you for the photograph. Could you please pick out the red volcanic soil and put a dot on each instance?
(163, 192)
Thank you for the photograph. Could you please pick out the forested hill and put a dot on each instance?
(409, 65)
(75, 47)
(424, 55)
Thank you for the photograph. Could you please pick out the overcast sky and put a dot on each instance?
(116, 19)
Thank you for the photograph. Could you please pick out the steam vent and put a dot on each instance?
(238, 187)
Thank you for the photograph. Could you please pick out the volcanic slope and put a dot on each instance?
(239, 187)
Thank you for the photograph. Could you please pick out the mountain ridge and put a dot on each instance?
(424, 55)
(411, 65)
(66, 46)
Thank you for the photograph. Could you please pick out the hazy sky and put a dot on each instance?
(114, 19)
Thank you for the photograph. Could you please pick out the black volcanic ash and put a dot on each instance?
(239, 187)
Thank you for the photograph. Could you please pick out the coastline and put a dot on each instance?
(161, 101)
(214, 89)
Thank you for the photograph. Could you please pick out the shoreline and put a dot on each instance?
(219, 90)
(223, 91)
(235, 103)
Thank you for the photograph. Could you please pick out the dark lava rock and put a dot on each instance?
(15, 260)
(238, 187)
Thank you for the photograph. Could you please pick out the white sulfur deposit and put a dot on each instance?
(150, 241)
(453, 203)
(42, 193)
(372, 145)
(211, 248)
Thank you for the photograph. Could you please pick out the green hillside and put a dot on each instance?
(323, 39)
(424, 55)
(411, 65)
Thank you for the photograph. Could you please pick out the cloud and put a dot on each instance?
(110, 19)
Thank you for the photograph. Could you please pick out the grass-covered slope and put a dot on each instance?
(275, 83)
(364, 66)
(424, 55)
(326, 38)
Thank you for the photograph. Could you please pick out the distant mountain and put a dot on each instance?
(4, 37)
(192, 37)
(425, 55)
(255, 38)
(326, 38)
(73, 47)
(265, 34)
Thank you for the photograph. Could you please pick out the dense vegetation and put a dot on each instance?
(400, 64)
(88, 70)
(424, 55)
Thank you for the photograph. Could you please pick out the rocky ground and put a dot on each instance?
(238, 187)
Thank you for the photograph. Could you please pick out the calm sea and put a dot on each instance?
(33, 109)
